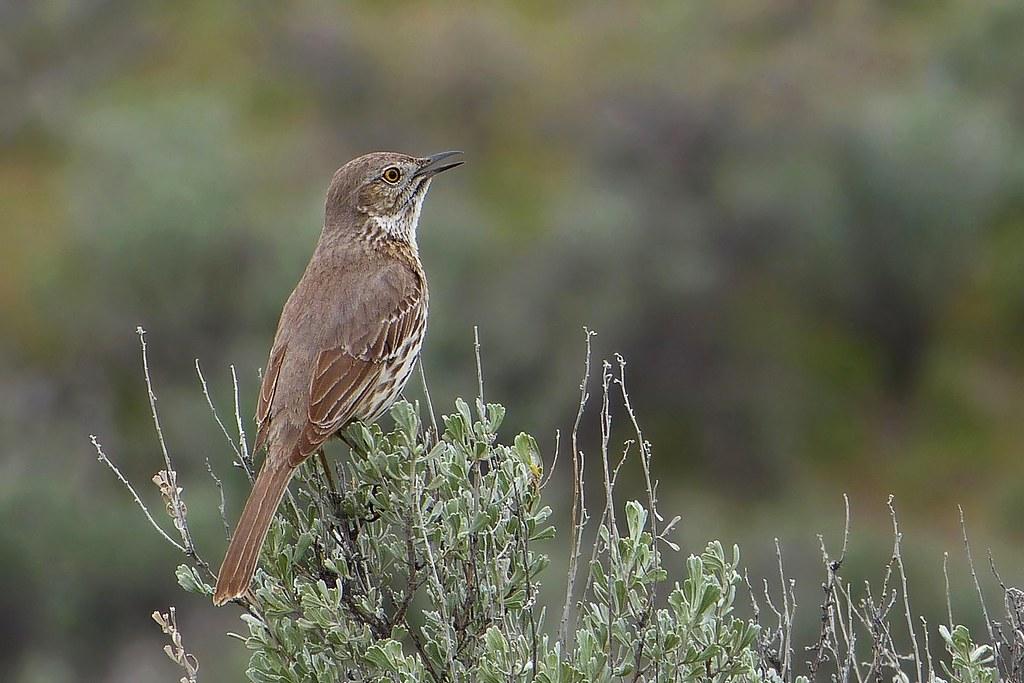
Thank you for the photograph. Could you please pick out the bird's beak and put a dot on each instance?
(439, 162)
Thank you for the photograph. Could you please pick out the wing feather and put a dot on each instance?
(371, 320)
(266, 398)
(347, 373)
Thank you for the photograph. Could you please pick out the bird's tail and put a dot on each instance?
(244, 550)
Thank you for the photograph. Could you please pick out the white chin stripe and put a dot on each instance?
(403, 226)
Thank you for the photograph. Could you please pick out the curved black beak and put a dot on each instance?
(439, 162)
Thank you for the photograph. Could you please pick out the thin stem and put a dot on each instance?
(102, 457)
(221, 504)
(152, 398)
(430, 404)
(247, 463)
(216, 415)
(577, 521)
(898, 555)
(977, 583)
(479, 365)
(949, 599)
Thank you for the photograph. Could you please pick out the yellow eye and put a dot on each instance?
(392, 174)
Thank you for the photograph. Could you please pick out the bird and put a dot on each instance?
(348, 337)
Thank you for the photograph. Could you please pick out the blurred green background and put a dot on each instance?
(801, 222)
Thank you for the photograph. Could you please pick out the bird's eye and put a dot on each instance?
(391, 174)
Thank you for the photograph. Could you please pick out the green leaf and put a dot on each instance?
(406, 419)
(709, 597)
(636, 519)
(376, 656)
(495, 641)
(302, 544)
(189, 580)
(495, 416)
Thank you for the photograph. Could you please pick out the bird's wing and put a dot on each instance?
(267, 390)
(369, 334)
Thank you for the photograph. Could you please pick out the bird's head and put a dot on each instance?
(382, 192)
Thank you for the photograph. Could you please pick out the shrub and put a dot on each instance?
(424, 564)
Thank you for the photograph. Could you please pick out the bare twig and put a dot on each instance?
(247, 463)
(221, 504)
(789, 626)
(847, 628)
(827, 639)
(995, 572)
(977, 584)
(898, 556)
(152, 398)
(479, 366)
(651, 487)
(755, 608)
(577, 519)
(216, 415)
(209, 468)
(928, 650)
(172, 493)
(608, 519)
(787, 616)
(1013, 600)
(102, 457)
(609, 501)
(554, 459)
(430, 404)
(949, 599)
(606, 429)
(645, 451)
(771, 605)
(874, 616)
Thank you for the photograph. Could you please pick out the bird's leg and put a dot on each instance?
(327, 471)
(334, 494)
(354, 451)
(347, 440)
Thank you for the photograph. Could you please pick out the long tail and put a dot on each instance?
(244, 550)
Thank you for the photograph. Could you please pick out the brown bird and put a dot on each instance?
(348, 338)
